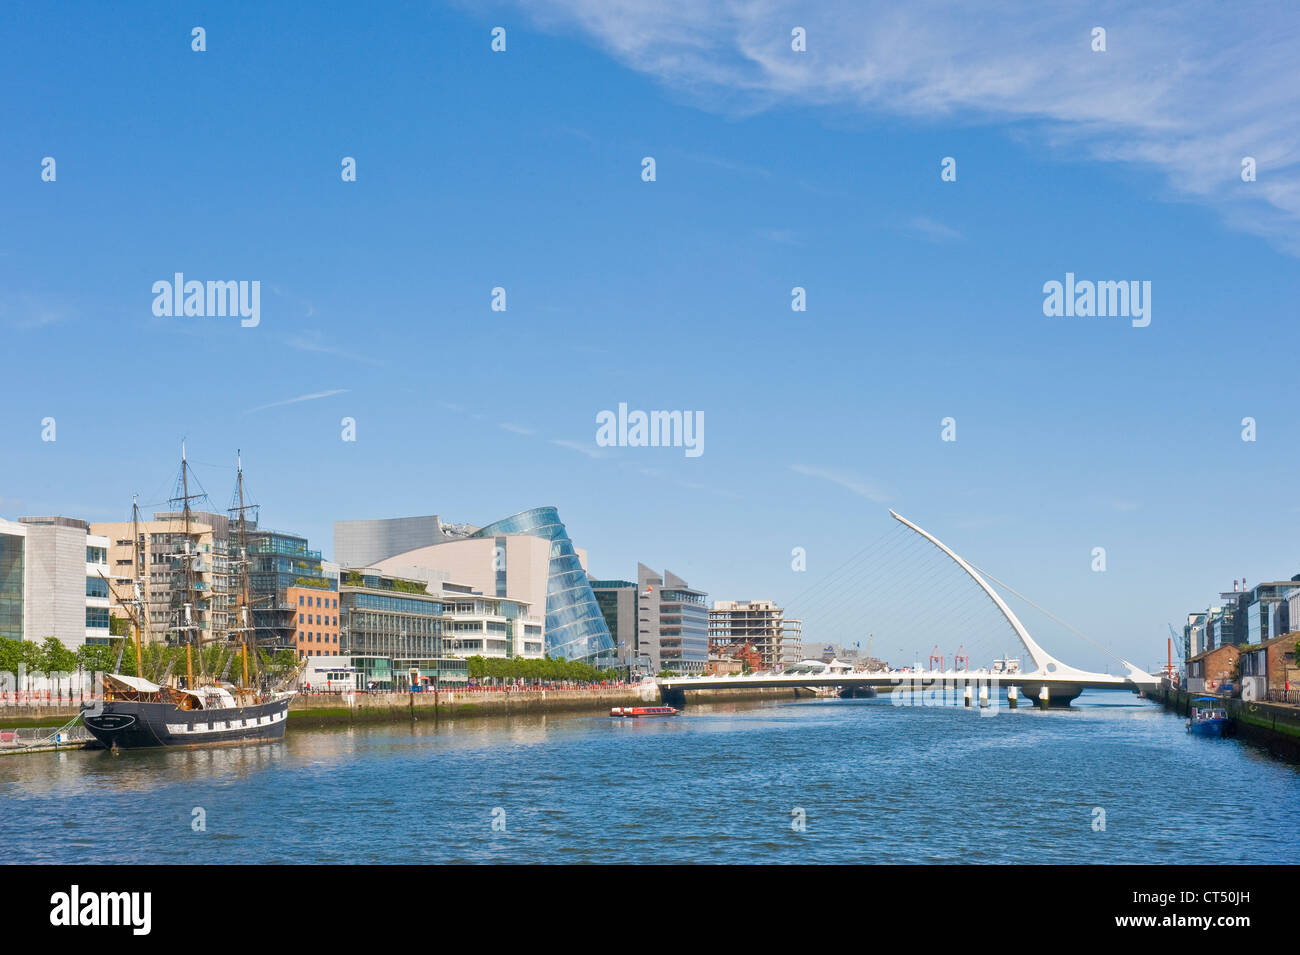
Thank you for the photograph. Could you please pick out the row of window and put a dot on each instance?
(331, 603)
(328, 620)
(318, 637)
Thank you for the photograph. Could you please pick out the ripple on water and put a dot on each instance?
(876, 783)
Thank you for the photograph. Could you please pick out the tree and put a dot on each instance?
(96, 658)
(56, 661)
(11, 657)
(32, 660)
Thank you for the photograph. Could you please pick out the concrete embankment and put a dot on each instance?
(347, 709)
(317, 710)
(1274, 726)
(11, 716)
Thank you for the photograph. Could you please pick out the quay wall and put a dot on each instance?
(335, 709)
(1274, 726)
(345, 709)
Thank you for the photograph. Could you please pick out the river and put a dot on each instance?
(1114, 779)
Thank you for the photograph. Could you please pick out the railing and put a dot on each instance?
(462, 688)
(26, 736)
(45, 697)
(1284, 696)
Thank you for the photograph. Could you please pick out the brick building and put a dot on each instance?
(1208, 671)
(1271, 665)
(316, 621)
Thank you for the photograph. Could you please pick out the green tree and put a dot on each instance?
(57, 662)
(11, 658)
(33, 660)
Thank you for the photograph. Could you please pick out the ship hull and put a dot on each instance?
(1206, 727)
(136, 725)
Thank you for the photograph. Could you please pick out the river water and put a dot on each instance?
(1114, 779)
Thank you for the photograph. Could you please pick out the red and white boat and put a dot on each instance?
(622, 711)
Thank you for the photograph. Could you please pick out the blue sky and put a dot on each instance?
(522, 169)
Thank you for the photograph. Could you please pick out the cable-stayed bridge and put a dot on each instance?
(951, 612)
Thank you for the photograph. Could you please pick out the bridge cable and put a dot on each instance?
(1048, 613)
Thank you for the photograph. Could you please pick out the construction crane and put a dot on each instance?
(1178, 641)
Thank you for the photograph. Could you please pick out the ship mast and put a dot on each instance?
(241, 509)
(189, 622)
(138, 555)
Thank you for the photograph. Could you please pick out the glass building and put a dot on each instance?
(11, 586)
(391, 627)
(575, 626)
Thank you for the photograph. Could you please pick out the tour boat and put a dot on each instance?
(644, 711)
(1210, 719)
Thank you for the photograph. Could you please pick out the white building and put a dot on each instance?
(64, 573)
(480, 564)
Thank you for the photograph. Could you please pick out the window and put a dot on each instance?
(300, 600)
(97, 618)
(300, 616)
(96, 587)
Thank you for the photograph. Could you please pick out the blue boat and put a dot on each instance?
(1207, 717)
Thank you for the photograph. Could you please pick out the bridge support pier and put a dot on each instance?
(672, 696)
(1054, 694)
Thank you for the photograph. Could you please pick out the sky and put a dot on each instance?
(774, 169)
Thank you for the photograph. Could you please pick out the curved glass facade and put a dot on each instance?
(575, 626)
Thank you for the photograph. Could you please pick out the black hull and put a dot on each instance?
(130, 725)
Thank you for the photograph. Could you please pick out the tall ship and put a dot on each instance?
(202, 707)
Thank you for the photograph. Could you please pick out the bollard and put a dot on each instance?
(1044, 698)
(967, 694)
(1013, 697)
(984, 696)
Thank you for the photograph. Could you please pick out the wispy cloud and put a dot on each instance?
(846, 481)
(515, 429)
(312, 341)
(578, 446)
(1188, 87)
(293, 401)
(29, 311)
(930, 230)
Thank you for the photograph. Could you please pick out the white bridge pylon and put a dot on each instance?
(1045, 665)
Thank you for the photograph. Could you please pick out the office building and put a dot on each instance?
(390, 627)
(315, 620)
(52, 581)
(527, 558)
(761, 622)
(617, 600)
(672, 623)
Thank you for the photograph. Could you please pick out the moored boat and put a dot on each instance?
(1207, 717)
(136, 713)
